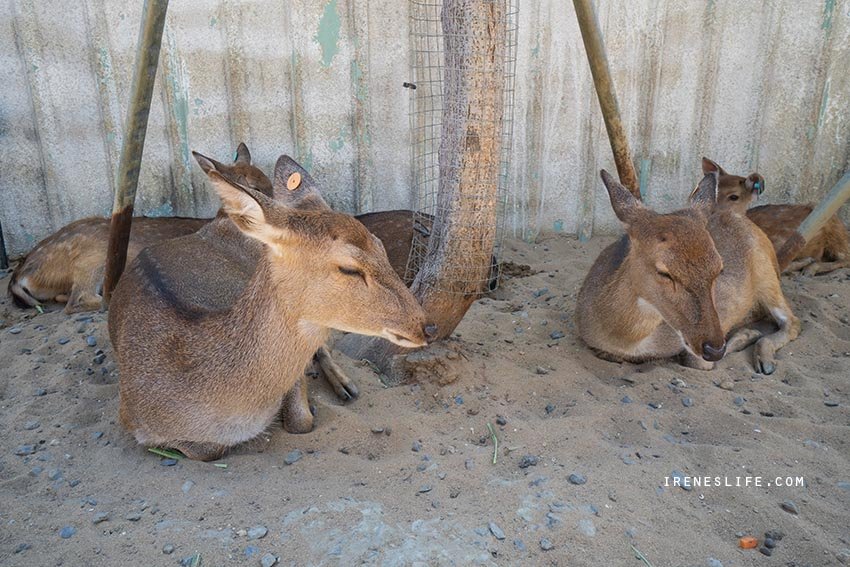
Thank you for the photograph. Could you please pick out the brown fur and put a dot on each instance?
(828, 250)
(679, 283)
(207, 358)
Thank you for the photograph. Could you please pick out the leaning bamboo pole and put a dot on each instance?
(604, 84)
(830, 204)
(135, 128)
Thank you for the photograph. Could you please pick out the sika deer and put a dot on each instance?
(827, 251)
(678, 283)
(204, 364)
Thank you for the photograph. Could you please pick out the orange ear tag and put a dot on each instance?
(294, 181)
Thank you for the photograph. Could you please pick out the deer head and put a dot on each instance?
(347, 281)
(673, 264)
(734, 193)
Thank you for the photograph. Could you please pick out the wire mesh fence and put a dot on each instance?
(433, 120)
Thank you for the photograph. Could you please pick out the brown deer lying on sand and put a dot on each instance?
(205, 358)
(829, 249)
(678, 283)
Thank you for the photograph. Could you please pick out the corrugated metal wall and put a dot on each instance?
(762, 84)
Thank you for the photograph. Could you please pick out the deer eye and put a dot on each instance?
(733, 197)
(665, 275)
(351, 272)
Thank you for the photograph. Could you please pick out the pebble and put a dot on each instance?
(97, 435)
(251, 551)
(687, 402)
(576, 478)
(712, 562)
(268, 560)
(67, 532)
(64, 341)
(739, 401)
(74, 482)
(790, 507)
(626, 400)
(30, 425)
(459, 400)
(15, 331)
(257, 532)
(727, 385)
(22, 547)
(542, 371)
(40, 392)
(22, 450)
(469, 464)
(519, 545)
(769, 543)
(545, 544)
(681, 476)
(100, 517)
(528, 461)
(654, 405)
(496, 531)
(500, 420)
(99, 358)
(168, 462)
(830, 404)
(187, 486)
(133, 516)
(424, 488)
(765, 551)
(91, 341)
(541, 291)
(775, 535)
(843, 485)
(416, 446)
(293, 457)
(549, 408)
(555, 335)
(54, 474)
(168, 549)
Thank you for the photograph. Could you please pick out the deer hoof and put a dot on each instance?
(766, 367)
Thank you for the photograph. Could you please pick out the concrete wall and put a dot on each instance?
(757, 85)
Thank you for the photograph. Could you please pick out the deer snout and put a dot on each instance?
(713, 353)
(430, 332)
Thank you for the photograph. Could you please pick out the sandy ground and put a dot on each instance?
(404, 475)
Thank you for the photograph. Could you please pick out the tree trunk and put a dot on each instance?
(457, 264)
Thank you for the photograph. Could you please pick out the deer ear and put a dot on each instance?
(704, 195)
(207, 164)
(627, 208)
(755, 184)
(294, 187)
(709, 166)
(247, 209)
(242, 154)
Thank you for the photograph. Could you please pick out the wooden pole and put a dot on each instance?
(135, 128)
(836, 197)
(4, 259)
(598, 59)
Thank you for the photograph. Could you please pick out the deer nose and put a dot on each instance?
(430, 331)
(713, 353)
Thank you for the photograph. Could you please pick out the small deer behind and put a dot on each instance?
(203, 369)
(679, 283)
(827, 251)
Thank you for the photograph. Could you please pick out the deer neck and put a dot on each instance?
(628, 317)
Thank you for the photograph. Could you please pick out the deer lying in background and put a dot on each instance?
(205, 359)
(678, 283)
(827, 251)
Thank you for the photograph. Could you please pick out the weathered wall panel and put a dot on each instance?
(760, 85)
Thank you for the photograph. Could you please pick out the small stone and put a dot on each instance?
(22, 547)
(830, 404)
(769, 543)
(168, 549)
(133, 516)
(187, 486)
(654, 405)
(54, 474)
(631, 533)
(268, 560)
(257, 532)
(293, 457)
(739, 401)
(519, 545)
(687, 402)
(790, 507)
(496, 531)
(168, 462)
(441, 475)
(843, 485)
(683, 481)
(14, 331)
(424, 488)
(97, 435)
(712, 562)
(377, 430)
(549, 409)
(99, 358)
(39, 392)
(545, 544)
(542, 371)
(459, 400)
(626, 400)
(91, 341)
(775, 535)
(577, 479)
(765, 551)
(528, 461)
(500, 420)
(454, 492)
(30, 425)
(64, 341)
(74, 482)
(416, 446)
(727, 385)
(541, 291)
(67, 532)
(469, 464)
(100, 517)
(22, 450)
(555, 335)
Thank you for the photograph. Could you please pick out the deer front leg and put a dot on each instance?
(345, 389)
(741, 339)
(798, 265)
(766, 347)
(295, 410)
(817, 268)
